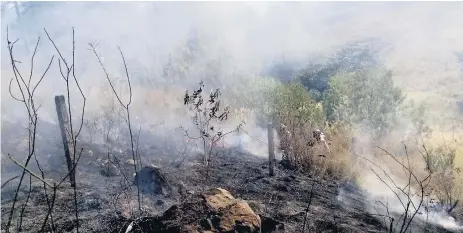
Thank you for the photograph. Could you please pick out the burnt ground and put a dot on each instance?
(103, 207)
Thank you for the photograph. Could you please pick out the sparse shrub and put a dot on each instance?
(208, 113)
(440, 162)
(438, 159)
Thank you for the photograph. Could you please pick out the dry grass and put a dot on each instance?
(441, 154)
(453, 140)
(340, 161)
(449, 183)
(336, 162)
(440, 92)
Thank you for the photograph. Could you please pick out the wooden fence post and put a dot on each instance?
(64, 125)
(271, 150)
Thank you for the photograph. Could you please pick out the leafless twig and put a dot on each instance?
(125, 106)
(27, 91)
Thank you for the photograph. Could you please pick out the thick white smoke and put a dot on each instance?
(421, 41)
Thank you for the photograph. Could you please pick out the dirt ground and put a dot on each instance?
(105, 207)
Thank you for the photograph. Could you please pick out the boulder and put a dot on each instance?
(224, 213)
(239, 217)
(218, 198)
(215, 210)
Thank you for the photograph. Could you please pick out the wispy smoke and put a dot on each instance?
(421, 43)
(421, 40)
(382, 182)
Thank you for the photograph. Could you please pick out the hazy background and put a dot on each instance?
(421, 43)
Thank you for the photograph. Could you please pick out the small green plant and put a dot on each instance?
(207, 116)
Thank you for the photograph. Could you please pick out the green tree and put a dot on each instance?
(353, 57)
(365, 97)
(271, 99)
(292, 102)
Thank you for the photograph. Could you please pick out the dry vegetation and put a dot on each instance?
(361, 111)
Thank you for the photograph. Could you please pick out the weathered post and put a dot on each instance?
(271, 148)
(64, 124)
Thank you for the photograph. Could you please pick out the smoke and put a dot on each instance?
(421, 40)
(171, 46)
(386, 186)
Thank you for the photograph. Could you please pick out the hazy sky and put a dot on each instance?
(420, 38)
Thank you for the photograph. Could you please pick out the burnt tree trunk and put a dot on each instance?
(271, 150)
(65, 126)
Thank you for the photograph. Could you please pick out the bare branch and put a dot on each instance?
(56, 48)
(32, 62)
(43, 75)
(61, 70)
(11, 94)
(73, 168)
(127, 75)
(186, 134)
(6, 182)
(106, 73)
(77, 83)
(401, 164)
(126, 107)
(29, 171)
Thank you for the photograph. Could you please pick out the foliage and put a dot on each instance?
(440, 162)
(273, 100)
(315, 78)
(292, 104)
(207, 115)
(297, 115)
(367, 97)
(418, 120)
(351, 58)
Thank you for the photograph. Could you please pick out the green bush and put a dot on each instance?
(291, 102)
(257, 96)
(368, 98)
(272, 100)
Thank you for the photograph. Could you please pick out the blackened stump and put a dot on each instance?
(271, 152)
(66, 135)
(150, 180)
